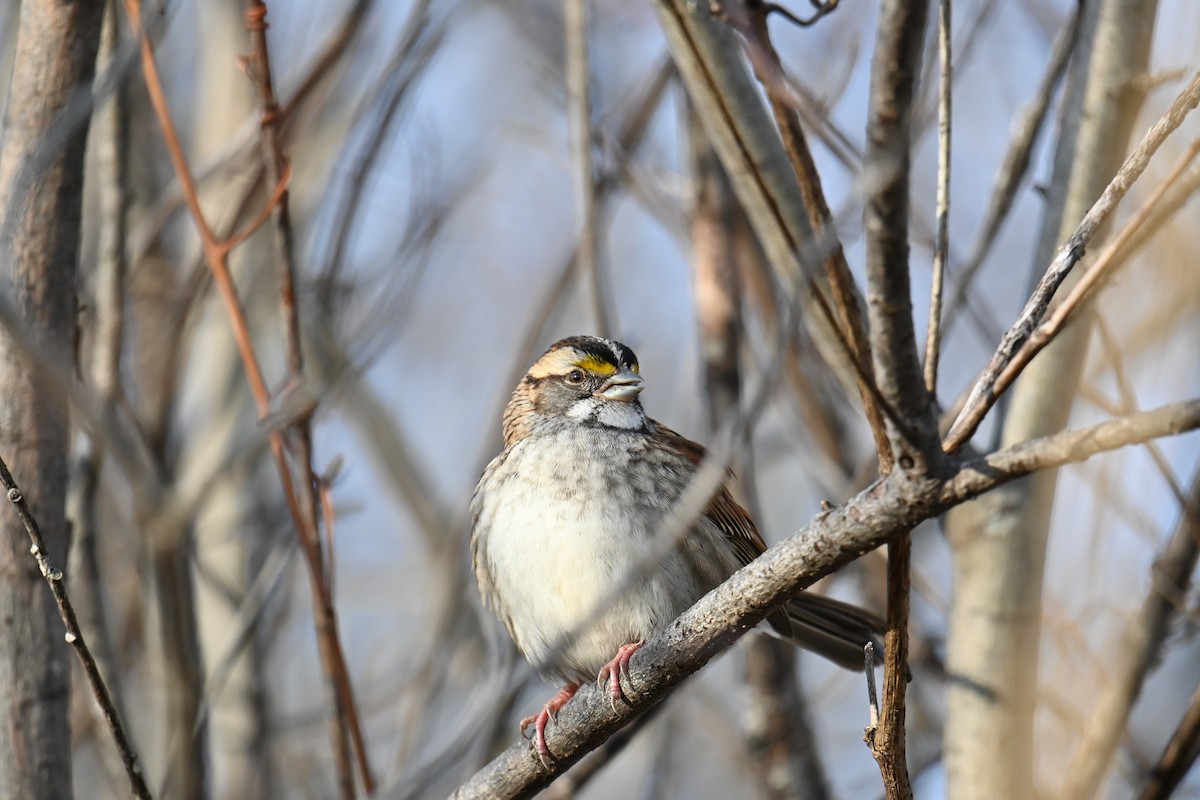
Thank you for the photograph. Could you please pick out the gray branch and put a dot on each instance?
(885, 509)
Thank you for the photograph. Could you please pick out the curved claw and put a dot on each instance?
(549, 713)
(615, 670)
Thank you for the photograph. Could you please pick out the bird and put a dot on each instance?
(569, 508)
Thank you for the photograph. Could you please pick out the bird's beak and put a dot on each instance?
(624, 386)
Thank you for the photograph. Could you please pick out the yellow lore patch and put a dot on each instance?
(597, 365)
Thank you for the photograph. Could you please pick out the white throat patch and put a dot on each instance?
(610, 413)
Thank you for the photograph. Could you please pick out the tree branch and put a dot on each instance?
(885, 222)
(987, 390)
(74, 636)
(1177, 757)
(1015, 165)
(747, 142)
(888, 508)
(941, 244)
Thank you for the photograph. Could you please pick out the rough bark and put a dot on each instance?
(888, 508)
(41, 174)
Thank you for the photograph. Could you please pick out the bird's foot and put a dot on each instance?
(549, 713)
(615, 670)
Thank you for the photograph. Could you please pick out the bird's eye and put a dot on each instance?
(575, 377)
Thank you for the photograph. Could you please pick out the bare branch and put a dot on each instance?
(886, 735)
(1177, 757)
(579, 113)
(985, 392)
(747, 142)
(888, 508)
(885, 221)
(1106, 263)
(74, 636)
(941, 246)
(786, 105)
(345, 726)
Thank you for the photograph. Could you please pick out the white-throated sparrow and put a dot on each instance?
(567, 509)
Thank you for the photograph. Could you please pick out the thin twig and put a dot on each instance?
(216, 252)
(985, 392)
(1106, 263)
(1015, 165)
(74, 636)
(872, 692)
(941, 244)
(345, 725)
(579, 126)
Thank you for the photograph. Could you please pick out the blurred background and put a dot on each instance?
(437, 222)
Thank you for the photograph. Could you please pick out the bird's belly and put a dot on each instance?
(558, 553)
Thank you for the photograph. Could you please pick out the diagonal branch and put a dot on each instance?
(74, 636)
(886, 509)
(1177, 757)
(987, 389)
(786, 104)
(764, 181)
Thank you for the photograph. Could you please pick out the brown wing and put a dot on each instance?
(726, 513)
(829, 627)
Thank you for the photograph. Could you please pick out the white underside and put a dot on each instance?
(557, 546)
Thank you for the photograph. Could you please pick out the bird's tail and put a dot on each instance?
(830, 628)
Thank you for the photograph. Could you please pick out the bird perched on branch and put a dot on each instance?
(570, 510)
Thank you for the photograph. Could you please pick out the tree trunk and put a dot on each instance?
(41, 175)
(999, 542)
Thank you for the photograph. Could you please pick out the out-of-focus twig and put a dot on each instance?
(763, 178)
(628, 137)
(74, 636)
(216, 253)
(1177, 757)
(101, 362)
(345, 726)
(778, 737)
(846, 300)
(411, 56)
(1145, 633)
(579, 125)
